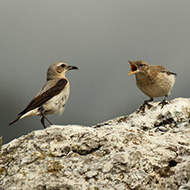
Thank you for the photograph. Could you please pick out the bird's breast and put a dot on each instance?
(57, 103)
(155, 86)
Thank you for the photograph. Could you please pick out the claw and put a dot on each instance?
(142, 107)
(163, 103)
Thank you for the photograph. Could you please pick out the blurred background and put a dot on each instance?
(99, 37)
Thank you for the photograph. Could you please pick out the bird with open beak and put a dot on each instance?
(52, 97)
(153, 80)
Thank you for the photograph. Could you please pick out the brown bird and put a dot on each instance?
(52, 97)
(153, 80)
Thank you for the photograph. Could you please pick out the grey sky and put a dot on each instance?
(97, 36)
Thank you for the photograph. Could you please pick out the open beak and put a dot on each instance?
(133, 68)
(72, 68)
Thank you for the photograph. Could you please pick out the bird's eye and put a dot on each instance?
(141, 65)
(63, 65)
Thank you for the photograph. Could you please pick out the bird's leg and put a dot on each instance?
(142, 107)
(42, 121)
(163, 102)
(48, 120)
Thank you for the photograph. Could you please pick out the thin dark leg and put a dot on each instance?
(142, 107)
(163, 102)
(48, 120)
(42, 121)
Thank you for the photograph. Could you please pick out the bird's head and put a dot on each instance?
(58, 70)
(138, 67)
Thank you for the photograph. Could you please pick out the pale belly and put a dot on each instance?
(56, 104)
(157, 89)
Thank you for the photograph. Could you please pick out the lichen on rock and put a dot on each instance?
(141, 151)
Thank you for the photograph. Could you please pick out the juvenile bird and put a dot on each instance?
(53, 95)
(153, 80)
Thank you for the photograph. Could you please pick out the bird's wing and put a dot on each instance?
(155, 70)
(170, 73)
(45, 96)
(164, 70)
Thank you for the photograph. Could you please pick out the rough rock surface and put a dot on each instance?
(142, 151)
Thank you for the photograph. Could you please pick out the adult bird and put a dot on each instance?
(53, 95)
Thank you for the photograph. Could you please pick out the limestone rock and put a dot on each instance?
(141, 151)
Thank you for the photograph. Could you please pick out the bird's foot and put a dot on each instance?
(163, 103)
(148, 105)
(143, 106)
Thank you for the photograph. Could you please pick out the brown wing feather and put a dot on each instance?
(170, 73)
(44, 97)
(155, 69)
(164, 70)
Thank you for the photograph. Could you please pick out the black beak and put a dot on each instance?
(72, 68)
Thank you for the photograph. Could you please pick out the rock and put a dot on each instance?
(148, 150)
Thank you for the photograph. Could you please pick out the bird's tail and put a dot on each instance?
(15, 120)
